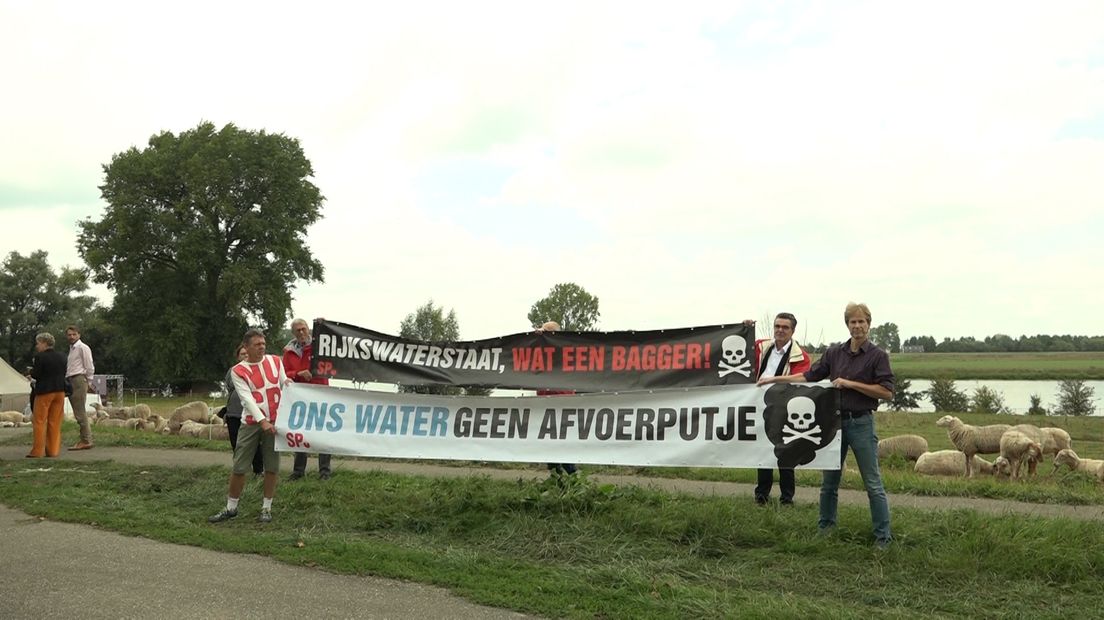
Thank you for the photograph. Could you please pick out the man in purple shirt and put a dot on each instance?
(860, 370)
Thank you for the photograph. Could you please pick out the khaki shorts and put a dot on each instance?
(248, 438)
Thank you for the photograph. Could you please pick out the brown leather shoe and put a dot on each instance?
(81, 445)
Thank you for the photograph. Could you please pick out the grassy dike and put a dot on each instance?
(584, 550)
(580, 550)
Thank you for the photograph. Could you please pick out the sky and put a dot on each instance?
(693, 163)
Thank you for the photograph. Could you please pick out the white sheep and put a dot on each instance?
(16, 418)
(111, 423)
(1016, 448)
(972, 439)
(908, 446)
(1068, 457)
(948, 463)
(195, 411)
(1051, 439)
(142, 411)
(137, 424)
(208, 431)
(156, 423)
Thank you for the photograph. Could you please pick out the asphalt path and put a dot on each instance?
(46, 566)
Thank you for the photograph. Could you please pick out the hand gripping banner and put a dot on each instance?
(784, 425)
(583, 361)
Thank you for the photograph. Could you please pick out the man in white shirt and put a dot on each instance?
(259, 382)
(780, 356)
(79, 371)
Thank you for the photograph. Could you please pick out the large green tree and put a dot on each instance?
(35, 298)
(568, 304)
(429, 323)
(887, 336)
(204, 234)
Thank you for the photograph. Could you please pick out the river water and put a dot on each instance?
(1017, 394)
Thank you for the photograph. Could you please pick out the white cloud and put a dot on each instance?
(714, 162)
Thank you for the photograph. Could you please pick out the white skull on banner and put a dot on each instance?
(801, 420)
(734, 350)
(734, 357)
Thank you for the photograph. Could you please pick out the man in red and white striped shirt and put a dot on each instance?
(259, 382)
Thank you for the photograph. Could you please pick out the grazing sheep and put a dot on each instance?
(908, 446)
(14, 417)
(137, 424)
(111, 423)
(6, 424)
(1051, 439)
(1068, 457)
(156, 423)
(142, 411)
(948, 463)
(209, 431)
(195, 411)
(972, 439)
(1016, 448)
(1060, 438)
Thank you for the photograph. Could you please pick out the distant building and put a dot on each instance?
(912, 348)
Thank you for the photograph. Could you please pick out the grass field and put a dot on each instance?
(573, 548)
(576, 549)
(1011, 366)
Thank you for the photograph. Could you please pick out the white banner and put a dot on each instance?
(788, 425)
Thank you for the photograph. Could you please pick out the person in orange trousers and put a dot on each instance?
(48, 374)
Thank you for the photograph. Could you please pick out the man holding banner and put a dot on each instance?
(559, 468)
(259, 381)
(861, 371)
(297, 364)
(784, 358)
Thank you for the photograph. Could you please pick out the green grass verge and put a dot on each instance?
(581, 550)
(1010, 366)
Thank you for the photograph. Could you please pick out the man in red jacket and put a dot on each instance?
(297, 363)
(782, 357)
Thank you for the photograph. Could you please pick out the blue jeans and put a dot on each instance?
(858, 434)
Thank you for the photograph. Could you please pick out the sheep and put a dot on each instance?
(1016, 448)
(1068, 457)
(156, 423)
(1051, 439)
(137, 424)
(142, 411)
(195, 411)
(211, 431)
(6, 424)
(948, 463)
(111, 422)
(908, 446)
(972, 439)
(1060, 438)
(14, 417)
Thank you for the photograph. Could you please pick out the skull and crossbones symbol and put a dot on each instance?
(734, 357)
(801, 421)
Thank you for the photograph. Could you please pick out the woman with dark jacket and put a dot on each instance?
(48, 373)
(233, 415)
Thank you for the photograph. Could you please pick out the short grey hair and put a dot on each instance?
(247, 339)
(45, 337)
(299, 322)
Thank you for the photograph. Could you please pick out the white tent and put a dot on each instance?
(15, 389)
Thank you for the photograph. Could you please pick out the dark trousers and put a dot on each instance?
(562, 468)
(300, 466)
(233, 425)
(766, 481)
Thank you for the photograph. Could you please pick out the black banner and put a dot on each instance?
(583, 361)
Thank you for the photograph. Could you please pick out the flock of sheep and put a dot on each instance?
(1017, 446)
(194, 419)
